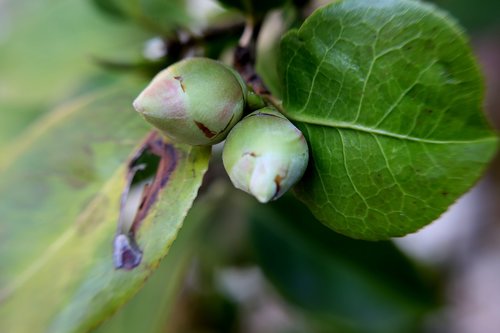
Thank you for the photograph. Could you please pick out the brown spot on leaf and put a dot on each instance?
(208, 133)
(179, 78)
(168, 162)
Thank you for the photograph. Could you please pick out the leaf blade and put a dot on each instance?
(394, 77)
(60, 212)
(43, 63)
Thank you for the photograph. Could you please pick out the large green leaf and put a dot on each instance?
(45, 56)
(60, 187)
(390, 99)
(344, 285)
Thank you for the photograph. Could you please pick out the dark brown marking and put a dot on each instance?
(179, 78)
(277, 181)
(208, 133)
(167, 165)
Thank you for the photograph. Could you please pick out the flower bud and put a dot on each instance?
(265, 154)
(194, 101)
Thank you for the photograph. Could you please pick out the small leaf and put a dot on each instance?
(60, 188)
(343, 285)
(389, 97)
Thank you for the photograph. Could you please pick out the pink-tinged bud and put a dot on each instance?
(265, 154)
(195, 101)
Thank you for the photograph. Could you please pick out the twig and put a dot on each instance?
(276, 103)
(245, 56)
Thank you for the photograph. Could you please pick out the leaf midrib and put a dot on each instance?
(374, 131)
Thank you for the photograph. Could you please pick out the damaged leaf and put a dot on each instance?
(60, 186)
(155, 304)
(148, 173)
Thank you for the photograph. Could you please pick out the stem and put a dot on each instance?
(245, 56)
(244, 62)
(276, 103)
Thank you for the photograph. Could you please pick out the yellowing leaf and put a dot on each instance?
(60, 188)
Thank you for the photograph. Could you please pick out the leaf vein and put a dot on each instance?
(355, 127)
(318, 67)
(344, 159)
(401, 96)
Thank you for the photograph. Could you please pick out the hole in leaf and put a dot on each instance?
(148, 172)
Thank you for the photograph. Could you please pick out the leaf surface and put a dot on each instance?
(46, 50)
(389, 97)
(60, 186)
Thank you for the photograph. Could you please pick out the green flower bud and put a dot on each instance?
(195, 101)
(265, 154)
